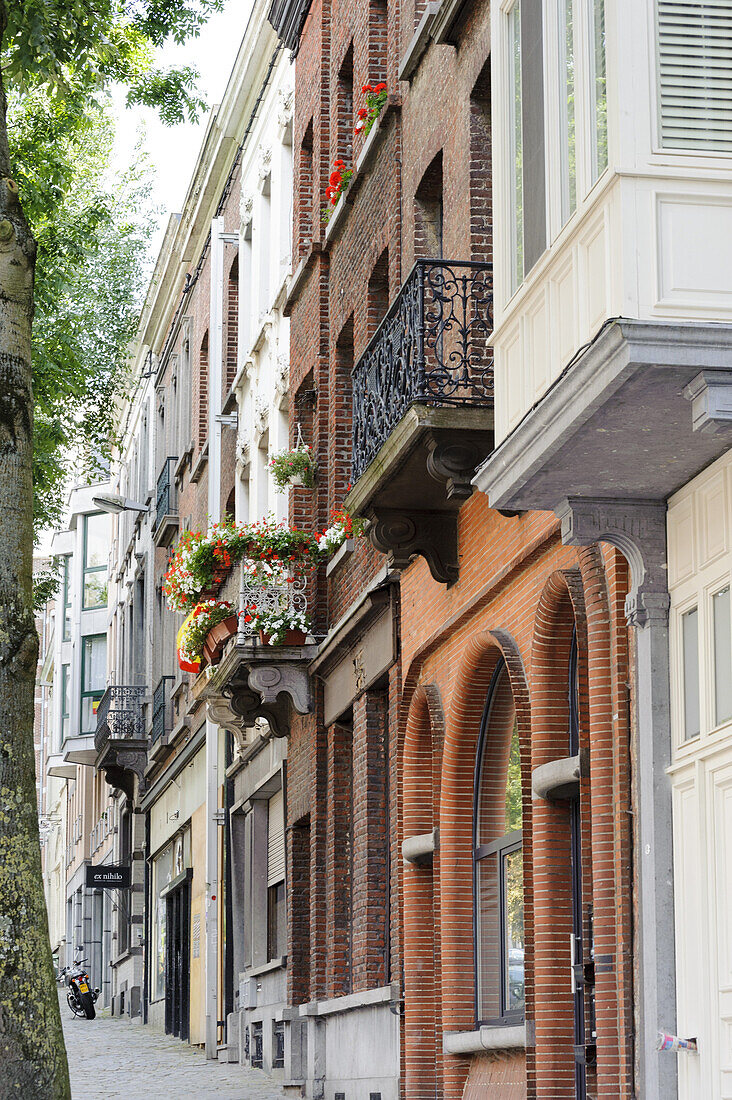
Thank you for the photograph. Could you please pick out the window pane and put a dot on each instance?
(95, 663)
(96, 548)
(567, 101)
(722, 657)
(513, 879)
(89, 707)
(95, 590)
(488, 947)
(514, 809)
(67, 599)
(517, 251)
(499, 785)
(599, 99)
(690, 647)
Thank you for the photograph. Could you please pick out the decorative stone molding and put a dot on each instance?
(246, 207)
(244, 454)
(282, 374)
(121, 768)
(710, 394)
(401, 535)
(261, 415)
(285, 102)
(264, 167)
(453, 462)
(638, 529)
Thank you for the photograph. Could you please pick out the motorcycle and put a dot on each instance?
(80, 996)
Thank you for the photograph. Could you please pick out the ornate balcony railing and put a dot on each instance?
(431, 348)
(120, 715)
(256, 598)
(161, 701)
(165, 504)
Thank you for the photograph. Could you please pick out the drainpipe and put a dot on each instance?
(215, 345)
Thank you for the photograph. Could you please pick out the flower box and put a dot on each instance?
(292, 637)
(217, 638)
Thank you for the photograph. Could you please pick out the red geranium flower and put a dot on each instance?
(335, 178)
(362, 112)
(379, 88)
(367, 88)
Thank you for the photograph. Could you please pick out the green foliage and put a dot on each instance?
(92, 232)
(46, 583)
(65, 45)
(514, 810)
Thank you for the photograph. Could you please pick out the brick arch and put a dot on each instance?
(424, 735)
(479, 661)
(561, 608)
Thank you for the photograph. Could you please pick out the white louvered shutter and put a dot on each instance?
(276, 840)
(695, 74)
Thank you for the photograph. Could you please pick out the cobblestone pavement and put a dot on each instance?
(118, 1059)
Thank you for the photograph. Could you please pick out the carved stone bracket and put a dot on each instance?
(454, 463)
(402, 534)
(638, 529)
(121, 767)
(710, 394)
(271, 681)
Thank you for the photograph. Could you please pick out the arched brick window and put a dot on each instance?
(498, 860)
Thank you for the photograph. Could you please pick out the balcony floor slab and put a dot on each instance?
(619, 423)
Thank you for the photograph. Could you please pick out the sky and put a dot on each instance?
(173, 150)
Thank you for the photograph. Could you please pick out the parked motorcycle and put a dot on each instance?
(79, 994)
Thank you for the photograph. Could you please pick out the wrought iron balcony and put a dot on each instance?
(430, 349)
(161, 723)
(423, 411)
(253, 680)
(166, 504)
(120, 738)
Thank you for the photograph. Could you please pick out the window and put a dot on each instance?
(722, 657)
(96, 551)
(65, 700)
(498, 860)
(516, 151)
(694, 60)
(568, 145)
(66, 604)
(690, 650)
(93, 678)
(276, 909)
(598, 98)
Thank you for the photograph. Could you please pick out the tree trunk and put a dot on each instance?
(32, 1055)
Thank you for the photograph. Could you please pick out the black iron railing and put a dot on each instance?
(165, 503)
(431, 348)
(120, 715)
(161, 700)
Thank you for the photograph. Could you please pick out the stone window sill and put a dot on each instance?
(266, 968)
(340, 555)
(484, 1038)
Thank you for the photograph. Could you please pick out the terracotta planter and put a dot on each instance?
(292, 637)
(218, 636)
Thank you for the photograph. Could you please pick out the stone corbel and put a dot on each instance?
(710, 394)
(126, 764)
(402, 534)
(454, 464)
(638, 529)
(220, 710)
(272, 681)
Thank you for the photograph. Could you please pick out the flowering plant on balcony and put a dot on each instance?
(284, 626)
(296, 467)
(200, 560)
(376, 96)
(192, 635)
(338, 182)
(273, 541)
(342, 526)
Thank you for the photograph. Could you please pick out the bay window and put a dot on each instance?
(96, 551)
(498, 860)
(93, 678)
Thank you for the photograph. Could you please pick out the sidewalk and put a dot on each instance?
(118, 1059)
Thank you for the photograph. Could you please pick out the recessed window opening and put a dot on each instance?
(498, 860)
(428, 213)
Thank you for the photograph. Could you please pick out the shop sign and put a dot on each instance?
(109, 876)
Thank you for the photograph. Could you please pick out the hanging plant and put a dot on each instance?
(296, 467)
(376, 97)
